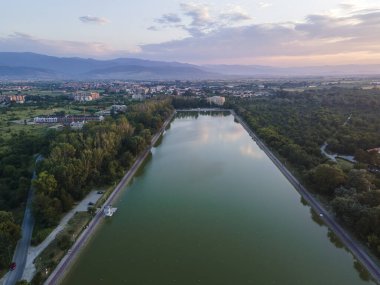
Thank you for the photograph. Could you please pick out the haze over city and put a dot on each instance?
(276, 33)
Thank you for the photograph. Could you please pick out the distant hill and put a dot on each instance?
(33, 66)
(15, 65)
(155, 72)
(10, 73)
(327, 70)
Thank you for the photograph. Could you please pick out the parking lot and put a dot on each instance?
(92, 197)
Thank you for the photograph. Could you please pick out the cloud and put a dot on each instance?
(168, 19)
(347, 35)
(199, 13)
(199, 19)
(20, 42)
(235, 14)
(153, 28)
(93, 20)
(250, 151)
(317, 36)
(265, 4)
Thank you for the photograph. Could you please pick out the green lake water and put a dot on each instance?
(210, 207)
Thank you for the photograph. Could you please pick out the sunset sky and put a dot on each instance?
(277, 32)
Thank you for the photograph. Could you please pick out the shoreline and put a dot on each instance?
(355, 247)
(73, 253)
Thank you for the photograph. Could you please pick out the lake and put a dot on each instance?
(209, 207)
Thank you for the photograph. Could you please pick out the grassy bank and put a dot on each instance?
(54, 252)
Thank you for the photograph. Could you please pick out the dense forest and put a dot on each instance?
(16, 164)
(296, 125)
(74, 162)
(99, 154)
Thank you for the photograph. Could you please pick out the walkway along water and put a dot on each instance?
(351, 243)
(68, 259)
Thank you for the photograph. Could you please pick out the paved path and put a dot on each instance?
(62, 267)
(34, 251)
(20, 254)
(334, 156)
(352, 244)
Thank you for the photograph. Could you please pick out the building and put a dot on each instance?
(138, 97)
(86, 96)
(45, 120)
(119, 108)
(66, 120)
(217, 100)
(13, 98)
(77, 125)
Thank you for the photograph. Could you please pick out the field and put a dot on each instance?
(20, 118)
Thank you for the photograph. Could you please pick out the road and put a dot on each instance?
(23, 244)
(356, 248)
(62, 267)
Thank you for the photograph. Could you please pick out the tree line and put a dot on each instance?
(16, 164)
(295, 126)
(99, 154)
(74, 162)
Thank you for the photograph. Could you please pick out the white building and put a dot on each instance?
(217, 100)
(45, 120)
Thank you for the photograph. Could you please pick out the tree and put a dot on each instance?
(359, 179)
(46, 210)
(22, 282)
(45, 184)
(326, 178)
(348, 209)
(10, 233)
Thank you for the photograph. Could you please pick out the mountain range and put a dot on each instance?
(23, 66)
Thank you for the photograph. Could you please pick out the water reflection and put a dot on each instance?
(159, 141)
(196, 113)
(233, 134)
(363, 273)
(250, 151)
(316, 218)
(303, 201)
(334, 239)
(195, 215)
(141, 170)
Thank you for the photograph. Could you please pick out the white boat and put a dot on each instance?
(109, 211)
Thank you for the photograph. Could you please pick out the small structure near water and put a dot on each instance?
(109, 211)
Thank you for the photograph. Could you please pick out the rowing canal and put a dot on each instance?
(209, 207)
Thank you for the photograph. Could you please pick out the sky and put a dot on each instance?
(263, 32)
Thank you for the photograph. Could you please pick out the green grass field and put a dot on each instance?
(12, 120)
